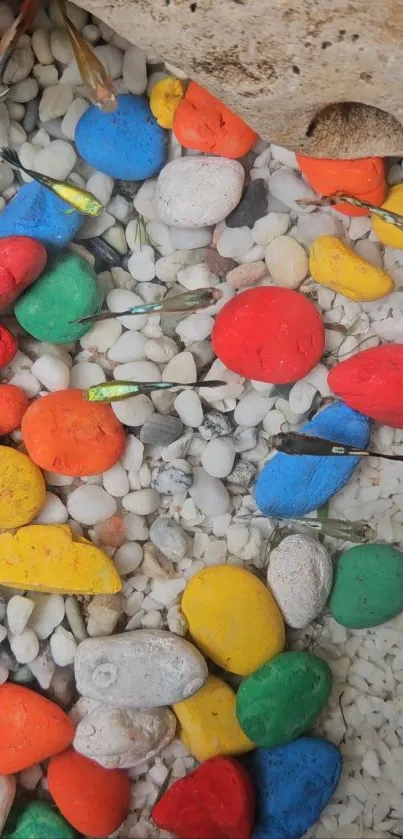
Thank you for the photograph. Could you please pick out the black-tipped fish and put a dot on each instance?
(348, 531)
(116, 391)
(290, 442)
(341, 198)
(189, 301)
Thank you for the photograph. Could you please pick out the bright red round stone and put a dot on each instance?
(271, 334)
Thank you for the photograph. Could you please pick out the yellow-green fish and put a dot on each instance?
(386, 215)
(116, 391)
(189, 301)
(79, 199)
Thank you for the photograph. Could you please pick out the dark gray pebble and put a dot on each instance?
(128, 189)
(252, 206)
(215, 424)
(104, 252)
(160, 430)
(31, 115)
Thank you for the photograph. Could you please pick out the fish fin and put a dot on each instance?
(11, 157)
(69, 212)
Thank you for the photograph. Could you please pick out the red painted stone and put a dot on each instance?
(372, 382)
(204, 123)
(270, 333)
(22, 260)
(217, 800)
(8, 346)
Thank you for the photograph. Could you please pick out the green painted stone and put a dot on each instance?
(368, 586)
(67, 290)
(281, 700)
(40, 820)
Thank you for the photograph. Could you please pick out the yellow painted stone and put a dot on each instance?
(164, 100)
(52, 558)
(388, 234)
(233, 618)
(22, 488)
(335, 265)
(208, 723)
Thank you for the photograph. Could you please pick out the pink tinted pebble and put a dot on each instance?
(8, 346)
(246, 275)
(22, 260)
(270, 334)
(111, 532)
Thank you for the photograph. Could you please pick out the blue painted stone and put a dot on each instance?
(293, 784)
(292, 485)
(127, 143)
(37, 212)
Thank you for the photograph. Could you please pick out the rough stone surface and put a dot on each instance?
(334, 55)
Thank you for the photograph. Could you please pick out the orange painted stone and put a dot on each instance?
(204, 123)
(32, 728)
(363, 178)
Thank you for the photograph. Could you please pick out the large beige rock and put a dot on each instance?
(320, 76)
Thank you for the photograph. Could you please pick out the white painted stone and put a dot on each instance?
(198, 191)
(300, 576)
(139, 669)
(121, 738)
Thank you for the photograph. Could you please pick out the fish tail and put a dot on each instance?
(209, 383)
(11, 157)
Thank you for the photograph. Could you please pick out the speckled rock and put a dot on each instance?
(293, 486)
(300, 577)
(145, 668)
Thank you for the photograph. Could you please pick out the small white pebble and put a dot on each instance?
(90, 504)
(47, 614)
(24, 646)
(115, 481)
(85, 374)
(63, 646)
(286, 261)
(52, 512)
(18, 612)
(51, 372)
(143, 502)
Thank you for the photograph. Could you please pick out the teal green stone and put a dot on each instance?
(40, 820)
(67, 290)
(22, 676)
(282, 699)
(368, 586)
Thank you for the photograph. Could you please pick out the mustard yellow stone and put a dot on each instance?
(22, 488)
(208, 723)
(335, 265)
(164, 100)
(52, 558)
(233, 618)
(388, 234)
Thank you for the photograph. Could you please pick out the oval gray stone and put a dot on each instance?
(145, 668)
(169, 538)
(160, 430)
(118, 738)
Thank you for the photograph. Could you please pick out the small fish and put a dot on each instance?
(116, 391)
(386, 215)
(189, 301)
(92, 71)
(23, 21)
(348, 531)
(79, 199)
(291, 442)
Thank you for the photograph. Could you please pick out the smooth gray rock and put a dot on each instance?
(145, 668)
